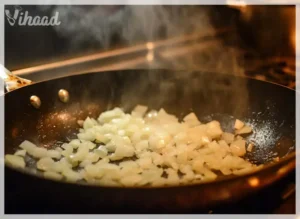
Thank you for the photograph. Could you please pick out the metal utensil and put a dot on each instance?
(12, 81)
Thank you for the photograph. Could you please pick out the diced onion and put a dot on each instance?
(244, 130)
(53, 175)
(101, 151)
(161, 148)
(45, 164)
(191, 119)
(238, 124)
(53, 154)
(228, 137)
(21, 153)
(15, 161)
(38, 152)
(71, 175)
(238, 147)
(250, 147)
(139, 111)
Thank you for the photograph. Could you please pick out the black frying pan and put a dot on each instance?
(269, 108)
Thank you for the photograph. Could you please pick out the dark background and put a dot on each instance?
(31, 45)
(89, 29)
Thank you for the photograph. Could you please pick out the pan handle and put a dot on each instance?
(12, 81)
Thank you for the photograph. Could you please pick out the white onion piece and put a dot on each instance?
(87, 136)
(85, 163)
(225, 171)
(234, 162)
(224, 146)
(45, 164)
(131, 129)
(191, 119)
(159, 141)
(159, 182)
(120, 123)
(131, 180)
(151, 116)
(89, 123)
(244, 130)
(199, 135)
(250, 147)
(141, 146)
(181, 138)
(208, 174)
(107, 181)
(61, 165)
(243, 171)
(103, 161)
(145, 163)
(52, 175)
(75, 143)
(81, 153)
(170, 162)
(238, 137)
(189, 176)
(238, 124)
(53, 154)
(71, 175)
(94, 171)
(27, 145)
(124, 151)
(214, 129)
(185, 168)
(182, 157)
(228, 137)
(111, 171)
(33, 150)
(93, 157)
(198, 165)
(102, 138)
(20, 153)
(101, 151)
(15, 161)
(238, 147)
(139, 111)
(151, 175)
(164, 117)
(89, 145)
(80, 122)
(109, 115)
(157, 159)
(38, 152)
(68, 150)
(173, 177)
(65, 146)
(59, 149)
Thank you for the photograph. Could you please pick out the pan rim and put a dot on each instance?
(156, 69)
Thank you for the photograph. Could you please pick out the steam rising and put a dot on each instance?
(132, 25)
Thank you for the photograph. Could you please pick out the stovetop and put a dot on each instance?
(212, 51)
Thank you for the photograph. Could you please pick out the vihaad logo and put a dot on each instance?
(22, 18)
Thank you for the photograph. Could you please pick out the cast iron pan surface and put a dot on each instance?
(268, 108)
